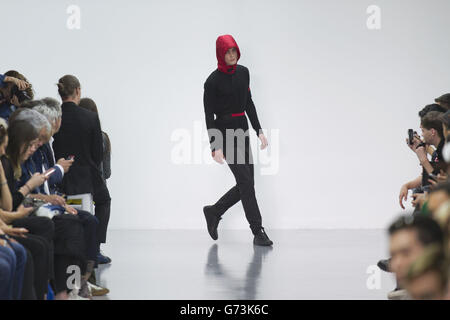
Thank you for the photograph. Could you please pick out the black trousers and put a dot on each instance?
(41, 230)
(238, 155)
(37, 276)
(102, 201)
(90, 224)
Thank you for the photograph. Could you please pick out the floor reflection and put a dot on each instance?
(238, 287)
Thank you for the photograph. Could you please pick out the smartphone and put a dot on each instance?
(71, 157)
(411, 136)
(49, 172)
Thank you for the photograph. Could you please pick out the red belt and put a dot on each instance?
(229, 116)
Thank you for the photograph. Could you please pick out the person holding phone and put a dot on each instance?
(227, 95)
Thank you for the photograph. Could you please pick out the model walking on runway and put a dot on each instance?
(227, 94)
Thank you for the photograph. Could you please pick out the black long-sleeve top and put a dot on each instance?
(17, 196)
(227, 94)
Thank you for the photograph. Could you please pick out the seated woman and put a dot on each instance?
(84, 250)
(64, 235)
(13, 258)
(37, 249)
(45, 123)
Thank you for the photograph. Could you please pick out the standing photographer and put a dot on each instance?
(432, 132)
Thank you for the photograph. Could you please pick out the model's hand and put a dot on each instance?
(403, 196)
(218, 156)
(263, 139)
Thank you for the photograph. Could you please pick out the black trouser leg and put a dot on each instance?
(39, 250)
(40, 226)
(102, 201)
(240, 163)
(28, 289)
(90, 224)
(62, 263)
(43, 228)
(228, 200)
(245, 182)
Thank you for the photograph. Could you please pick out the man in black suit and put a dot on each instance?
(80, 135)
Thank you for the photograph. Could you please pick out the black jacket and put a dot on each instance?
(80, 135)
(227, 94)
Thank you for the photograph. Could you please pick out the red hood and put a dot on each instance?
(223, 43)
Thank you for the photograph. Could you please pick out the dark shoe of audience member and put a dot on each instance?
(102, 259)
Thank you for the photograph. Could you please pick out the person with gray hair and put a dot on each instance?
(37, 120)
(43, 159)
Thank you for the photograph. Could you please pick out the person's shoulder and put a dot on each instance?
(240, 67)
(87, 114)
(212, 78)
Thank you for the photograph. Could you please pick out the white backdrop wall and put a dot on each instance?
(342, 97)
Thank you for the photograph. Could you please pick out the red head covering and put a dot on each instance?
(223, 43)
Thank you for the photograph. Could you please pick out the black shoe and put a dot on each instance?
(261, 239)
(212, 221)
(384, 264)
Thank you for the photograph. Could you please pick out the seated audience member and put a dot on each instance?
(63, 231)
(7, 270)
(89, 222)
(41, 161)
(80, 135)
(14, 256)
(427, 277)
(408, 237)
(444, 101)
(30, 104)
(37, 275)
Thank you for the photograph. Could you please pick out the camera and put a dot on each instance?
(21, 95)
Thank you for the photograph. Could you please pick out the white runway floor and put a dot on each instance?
(188, 264)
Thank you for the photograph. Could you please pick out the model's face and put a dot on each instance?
(231, 57)
(426, 287)
(405, 248)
